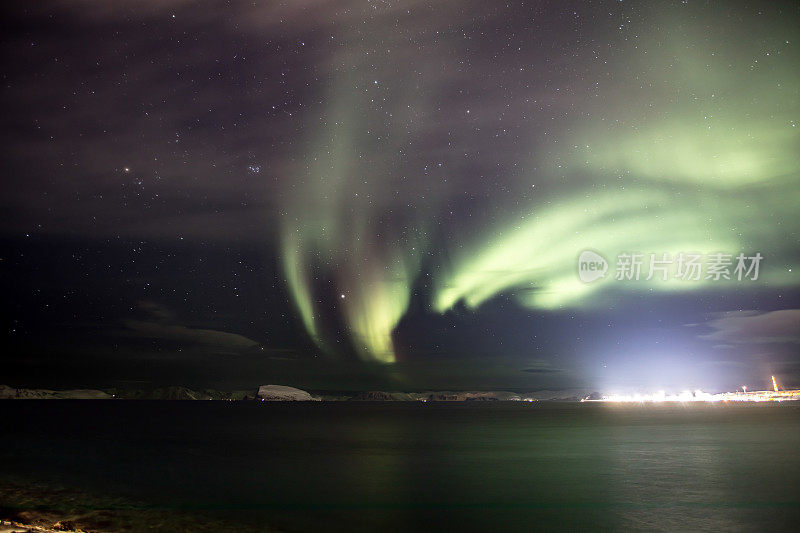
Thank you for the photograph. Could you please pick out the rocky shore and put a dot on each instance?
(10, 526)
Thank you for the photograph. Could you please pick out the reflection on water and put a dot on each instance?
(412, 467)
(717, 468)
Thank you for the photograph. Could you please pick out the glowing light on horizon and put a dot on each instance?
(688, 396)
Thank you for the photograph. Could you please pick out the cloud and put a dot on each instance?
(162, 325)
(753, 327)
(158, 311)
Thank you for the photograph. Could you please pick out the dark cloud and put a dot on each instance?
(754, 327)
(163, 326)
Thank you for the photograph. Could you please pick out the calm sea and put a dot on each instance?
(247, 466)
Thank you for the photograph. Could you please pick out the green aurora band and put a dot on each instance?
(337, 231)
(693, 147)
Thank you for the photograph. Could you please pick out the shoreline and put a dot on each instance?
(284, 394)
(12, 526)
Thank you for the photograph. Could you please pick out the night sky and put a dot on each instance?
(394, 195)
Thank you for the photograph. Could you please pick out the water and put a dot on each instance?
(405, 466)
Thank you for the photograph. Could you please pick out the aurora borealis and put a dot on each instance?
(678, 133)
(350, 183)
